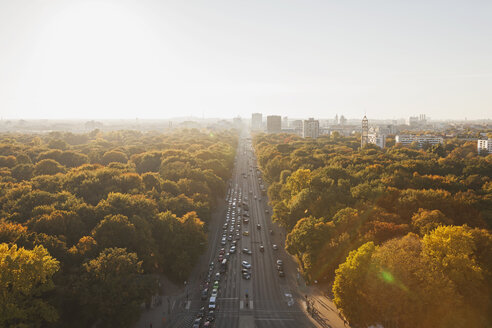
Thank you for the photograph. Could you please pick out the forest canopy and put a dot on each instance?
(396, 229)
(100, 215)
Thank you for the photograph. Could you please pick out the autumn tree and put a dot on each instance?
(25, 276)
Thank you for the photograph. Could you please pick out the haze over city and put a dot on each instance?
(162, 59)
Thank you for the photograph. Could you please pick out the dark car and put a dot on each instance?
(197, 323)
(281, 274)
(204, 294)
(262, 248)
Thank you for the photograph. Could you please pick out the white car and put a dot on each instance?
(246, 264)
(215, 291)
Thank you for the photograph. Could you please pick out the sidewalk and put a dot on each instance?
(162, 308)
(323, 313)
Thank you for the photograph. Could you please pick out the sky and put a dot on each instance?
(130, 59)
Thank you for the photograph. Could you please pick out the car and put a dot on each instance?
(281, 273)
(215, 291)
(217, 276)
(220, 258)
(258, 226)
(234, 242)
(211, 316)
(243, 270)
(223, 242)
(211, 264)
(246, 251)
(222, 251)
(262, 248)
(266, 211)
(280, 262)
(197, 323)
(207, 324)
(204, 294)
(211, 304)
(245, 220)
(275, 247)
(246, 264)
(246, 276)
(238, 236)
(216, 284)
(232, 250)
(246, 233)
(280, 268)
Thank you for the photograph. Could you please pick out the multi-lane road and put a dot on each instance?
(268, 298)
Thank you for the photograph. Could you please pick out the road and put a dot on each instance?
(266, 299)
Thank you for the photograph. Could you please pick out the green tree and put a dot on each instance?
(113, 287)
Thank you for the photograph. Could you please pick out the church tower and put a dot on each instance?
(365, 132)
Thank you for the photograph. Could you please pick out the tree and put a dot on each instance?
(113, 287)
(48, 167)
(349, 295)
(426, 221)
(25, 275)
(115, 231)
(114, 156)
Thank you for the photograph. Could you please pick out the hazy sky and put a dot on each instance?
(158, 58)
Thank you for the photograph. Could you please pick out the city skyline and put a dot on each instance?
(109, 59)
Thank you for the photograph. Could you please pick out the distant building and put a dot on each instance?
(415, 121)
(237, 121)
(310, 128)
(377, 139)
(256, 121)
(336, 120)
(274, 124)
(408, 139)
(343, 120)
(484, 146)
(365, 131)
(285, 122)
(297, 125)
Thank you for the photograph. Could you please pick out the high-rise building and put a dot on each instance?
(256, 121)
(310, 128)
(297, 124)
(343, 120)
(274, 124)
(285, 122)
(364, 139)
(484, 146)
